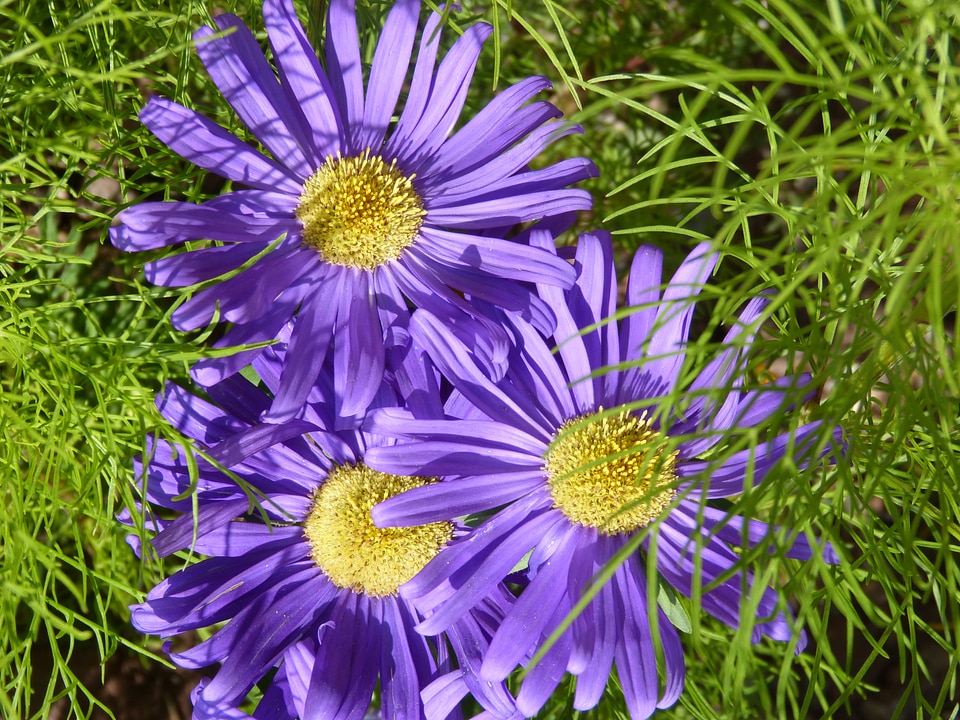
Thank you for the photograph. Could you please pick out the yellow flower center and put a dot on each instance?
(353, 552)
(610, 472)
(359, 211)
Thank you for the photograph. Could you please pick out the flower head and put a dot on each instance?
(583, 450)
(303, 582)
(354, 214)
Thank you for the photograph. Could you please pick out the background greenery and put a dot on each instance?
(816, 141)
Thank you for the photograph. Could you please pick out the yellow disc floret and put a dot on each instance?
(360, 211)
(353, 552)
(610, 471)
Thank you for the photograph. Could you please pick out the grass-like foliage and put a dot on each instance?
(815, 143)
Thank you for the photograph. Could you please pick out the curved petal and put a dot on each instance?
(196, 266)
(306, 351)
(669, 335)
(358, 351)
(390, 63)
(344, 68)
(420, 87)
(447, 95)
(209, 146)
(303, 78)
(237, 66)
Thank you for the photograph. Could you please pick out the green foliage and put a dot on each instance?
(814, 142)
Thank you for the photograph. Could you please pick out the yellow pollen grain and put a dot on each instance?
(359, 211)
(353, 552)
(610, 472)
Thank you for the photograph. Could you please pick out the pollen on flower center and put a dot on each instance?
(359, 211)
(353, 552)
(610, 472)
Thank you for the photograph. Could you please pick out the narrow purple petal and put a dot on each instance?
(210, 516)
(672, 325)
(344, 68)
(420, 88)
(402, 654)
(158, 224)
(497, 126)
(303, 78)
(364, 669)
(390, 63)
(309, 344)
(674, 665)
(251, 441)
(447, 95)
(340, 640)
(750, 466)
(593, 680)
(451, 498)
(272, 624)
(246, 296)
(195, 266)
(497, 257)
(526, 623)
(358, 352)
(455, 361)
(541, 681)
(209, 146)
(237, 66)
(478, 285)
(508, 210)
(210, 371)
(634, 653)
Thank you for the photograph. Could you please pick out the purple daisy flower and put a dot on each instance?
(354, 214)
(584, 451)
(303, 582)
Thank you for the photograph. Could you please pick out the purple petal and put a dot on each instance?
(451, 498)
(209, 146)
(210, 371)
(180, 533)
(541, 680)
(403, 656)
(505, 294)
(526, 623)
(237, 66)
(344, 68)
(195, 266)
(268, 627)
(420, 87)
(246, 296)
(634, 653)
(447, 95)
(251, 441)
(515, 160)
(390, 63)
(508, 210)
(593, 680)
(672, 325)
(496, 127)
(215, 589)
(309, 344)
(303, 78)
(456, 363)
(500, 258)
(358, 352)
(467, 571)
(750, 466)
(674, 666)
(157, 224)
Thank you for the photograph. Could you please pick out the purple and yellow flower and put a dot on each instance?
(301, 581)
(354, 213)
(590, 446)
